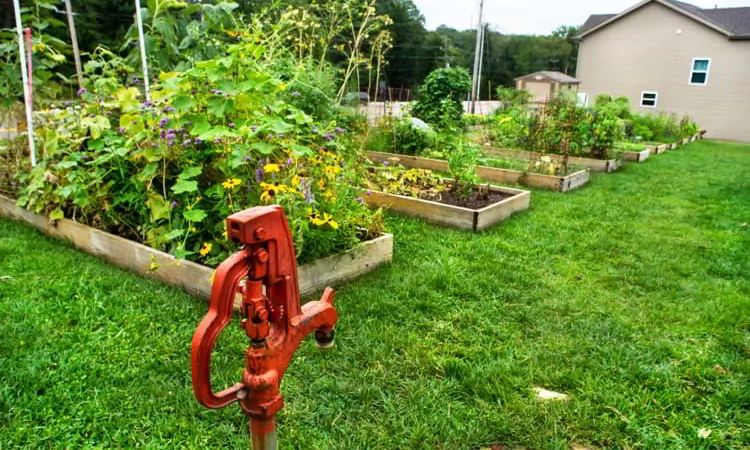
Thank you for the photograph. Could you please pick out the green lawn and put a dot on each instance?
(632, 295)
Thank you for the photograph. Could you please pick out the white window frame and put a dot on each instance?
(693, 71)
(656, 99)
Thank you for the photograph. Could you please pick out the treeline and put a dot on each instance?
(415, 53)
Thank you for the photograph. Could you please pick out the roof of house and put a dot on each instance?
(554, 76)
(732, 22)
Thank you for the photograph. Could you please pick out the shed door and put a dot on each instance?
(539, 90)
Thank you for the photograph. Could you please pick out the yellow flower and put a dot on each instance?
(329, 194)
(329, 220)
(332, 171)
(282, 87)
(296, 180)
(231, 183)
(322, 184)
(271, 168)
(225, 234)
(206, 249)
(193, 230)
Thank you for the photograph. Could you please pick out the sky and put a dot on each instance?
(531, 16)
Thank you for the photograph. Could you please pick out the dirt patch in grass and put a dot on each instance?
(477, 200)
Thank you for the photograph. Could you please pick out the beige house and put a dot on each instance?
(543, 85)
(673, 57)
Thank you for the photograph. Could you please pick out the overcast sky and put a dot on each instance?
(531, 16)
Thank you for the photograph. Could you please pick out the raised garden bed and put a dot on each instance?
(192, 277)
(638, 157)
(659, 149)
(505, 202)
(492, 174)
(597, 165)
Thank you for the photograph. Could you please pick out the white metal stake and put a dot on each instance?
(142, 40)
(25, 80)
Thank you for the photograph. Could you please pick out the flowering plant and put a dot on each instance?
(213, 140)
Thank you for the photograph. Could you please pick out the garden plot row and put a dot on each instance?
(195, 278)
(643, 155)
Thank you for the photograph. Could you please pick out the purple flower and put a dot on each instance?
(248, 158)
(360, 200)
(186, 142)
(385, 163)
(281, 136)
(170, 143)
(169, 109)
(296, 94)
(190, 123)
(67, 104)
(328, 137)
(122, 129)
(231, 125)
(163, 122)
(259, 174)
(174, 203)
(289, 161)
(369, 192)
(163, 134)
(197, 141)
(340, 130)
(82, 91)
(171, 136)
(254, 128)
(217, 141)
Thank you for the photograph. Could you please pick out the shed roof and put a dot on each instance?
(732, 22)
(551, 75)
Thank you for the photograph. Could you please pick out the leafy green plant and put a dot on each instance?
(463, 160)
(215, 139)
(440, 97)
(512, 98)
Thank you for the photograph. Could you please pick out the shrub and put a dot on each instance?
(510, 98)
(441, 96)
(408, 139)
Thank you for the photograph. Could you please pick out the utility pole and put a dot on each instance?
(25, 80)
(481, 63)
(477, 58)
(74, 41)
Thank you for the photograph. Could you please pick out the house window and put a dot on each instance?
(649, 99)
(699, 72)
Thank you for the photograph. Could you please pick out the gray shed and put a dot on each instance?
(543, 85)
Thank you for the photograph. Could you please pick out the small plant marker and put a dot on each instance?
(545, 395)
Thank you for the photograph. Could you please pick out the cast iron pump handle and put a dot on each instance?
(264, 271)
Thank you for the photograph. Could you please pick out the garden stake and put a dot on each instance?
(264, 271)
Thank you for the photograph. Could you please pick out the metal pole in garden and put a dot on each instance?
(142, 41)
(477, 56)
(25, 80)
(479, 74)
(74, 41)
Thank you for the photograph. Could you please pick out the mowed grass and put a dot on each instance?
(631, 295)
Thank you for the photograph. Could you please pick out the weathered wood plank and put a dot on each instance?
(638, 157)
(502, 211)
(195, 278)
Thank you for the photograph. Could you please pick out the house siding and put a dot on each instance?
(643, 51)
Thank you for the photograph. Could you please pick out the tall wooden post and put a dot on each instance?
(74, 41)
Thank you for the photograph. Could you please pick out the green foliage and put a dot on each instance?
(513, 98)
(688, 128)
(410, 140)
(656, 127)
(440, 97)
(463, 160)
(215, 139)
(618, 107)
(392, 178)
